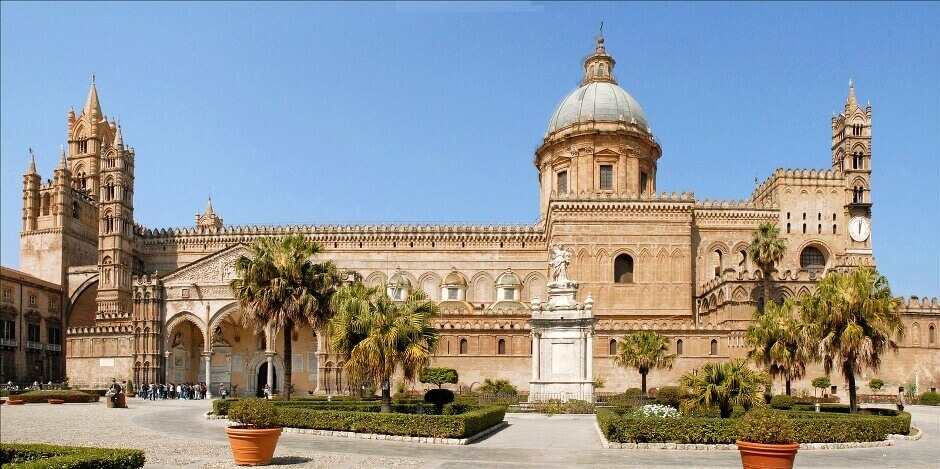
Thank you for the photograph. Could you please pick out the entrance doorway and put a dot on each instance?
(263, 379)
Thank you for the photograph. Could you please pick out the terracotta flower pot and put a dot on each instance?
(2, 401)
(55, 401)
(252, 446)
(761, 456)
(16, 402)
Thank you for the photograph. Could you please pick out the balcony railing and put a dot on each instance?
(8, 342)
(54, 347)
(33, 345)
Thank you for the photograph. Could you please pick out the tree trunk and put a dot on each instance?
(766, 289)
(788, 386)
(386, 397)
(725, 411)
(853, 399)
(643, 380)
(288, 362)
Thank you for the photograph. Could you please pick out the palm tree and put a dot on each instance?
(779, 342)
(645, 351)
(723, 385)
(766, 249)
(280, 286)
(376, 335)
(853, 317)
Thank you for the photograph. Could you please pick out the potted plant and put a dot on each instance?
(766, 440)
(55, 401)
(255, 434)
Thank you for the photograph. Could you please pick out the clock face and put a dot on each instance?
(859, 229)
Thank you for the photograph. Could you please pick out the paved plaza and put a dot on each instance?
(174, 434)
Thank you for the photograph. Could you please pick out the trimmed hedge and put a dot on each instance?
(436, 426)
(405, 406)
(781, 401)
(929, 398)
(36, 456)
(809, 427)
(69, 396)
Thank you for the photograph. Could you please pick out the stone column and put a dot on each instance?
(536, 353)
(590, 356)
(270, 377)
(208, 357)
(166, 367)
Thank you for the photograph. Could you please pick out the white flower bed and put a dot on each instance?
(658, 410)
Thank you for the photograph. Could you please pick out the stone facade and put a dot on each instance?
(30, 329)
(153, 304)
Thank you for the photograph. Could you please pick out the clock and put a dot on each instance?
(859, 229)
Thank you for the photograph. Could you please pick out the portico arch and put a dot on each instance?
(185, 340)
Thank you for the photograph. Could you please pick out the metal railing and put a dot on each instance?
(8, 342)
(33, 345)
(54, 347)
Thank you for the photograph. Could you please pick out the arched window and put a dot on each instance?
(75, 211)
(717, 263)
(812, 259)
(714, 349)
(501, 347)
(613, 347)
(623, 269)
(931, 334)
(45, 204)
(679, 348)
(463, 346)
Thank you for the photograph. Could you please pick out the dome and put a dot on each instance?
(400, 281)
(598, 101)
(455, 279)
(508, 279)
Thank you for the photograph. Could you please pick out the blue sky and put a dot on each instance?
(312, 113)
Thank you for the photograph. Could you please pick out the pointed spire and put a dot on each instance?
(32, 163)
(62, 163)
(850, 101)
(118, 138)
(92, 104)
(209, 209)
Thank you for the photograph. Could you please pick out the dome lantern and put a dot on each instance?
(599, 67)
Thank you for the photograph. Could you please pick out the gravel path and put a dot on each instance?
(174, 434)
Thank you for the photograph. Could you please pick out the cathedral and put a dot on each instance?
(152, 304)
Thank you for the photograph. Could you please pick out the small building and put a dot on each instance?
(30, 328)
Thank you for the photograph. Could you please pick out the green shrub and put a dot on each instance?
(258, 413)
(808, 427)
(98, 392)
(557, 406)
(499, 386)
(66, 395)
(767, 427)
(437, 426)
(670, 395)
(439, 397)
(633, 392)
(36, 456)
(438, 376)
(876, 384)
(220, 406)
(456, 408)
(929, 398)
(781, 402)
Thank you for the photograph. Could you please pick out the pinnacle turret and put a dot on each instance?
(851, 102)
(118, 138)
(92, 105)
(32, 164)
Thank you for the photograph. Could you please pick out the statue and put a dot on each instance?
(561, 257)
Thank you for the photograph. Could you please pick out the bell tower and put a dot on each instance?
(87, 135)
(116, 231)
(851, 154)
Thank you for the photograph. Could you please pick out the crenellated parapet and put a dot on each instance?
(74, 332)
(917, 305)
(472, 234)
(147, 287)
(626, 196)
(804, 177)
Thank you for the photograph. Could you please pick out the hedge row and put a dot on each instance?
(69, 396)
(404, 406)
(437, 426)
(811, 427)
(35, 456)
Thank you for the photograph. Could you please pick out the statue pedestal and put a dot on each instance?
(562, 345)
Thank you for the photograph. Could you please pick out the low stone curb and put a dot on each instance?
(377, 436)
(889, 441)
